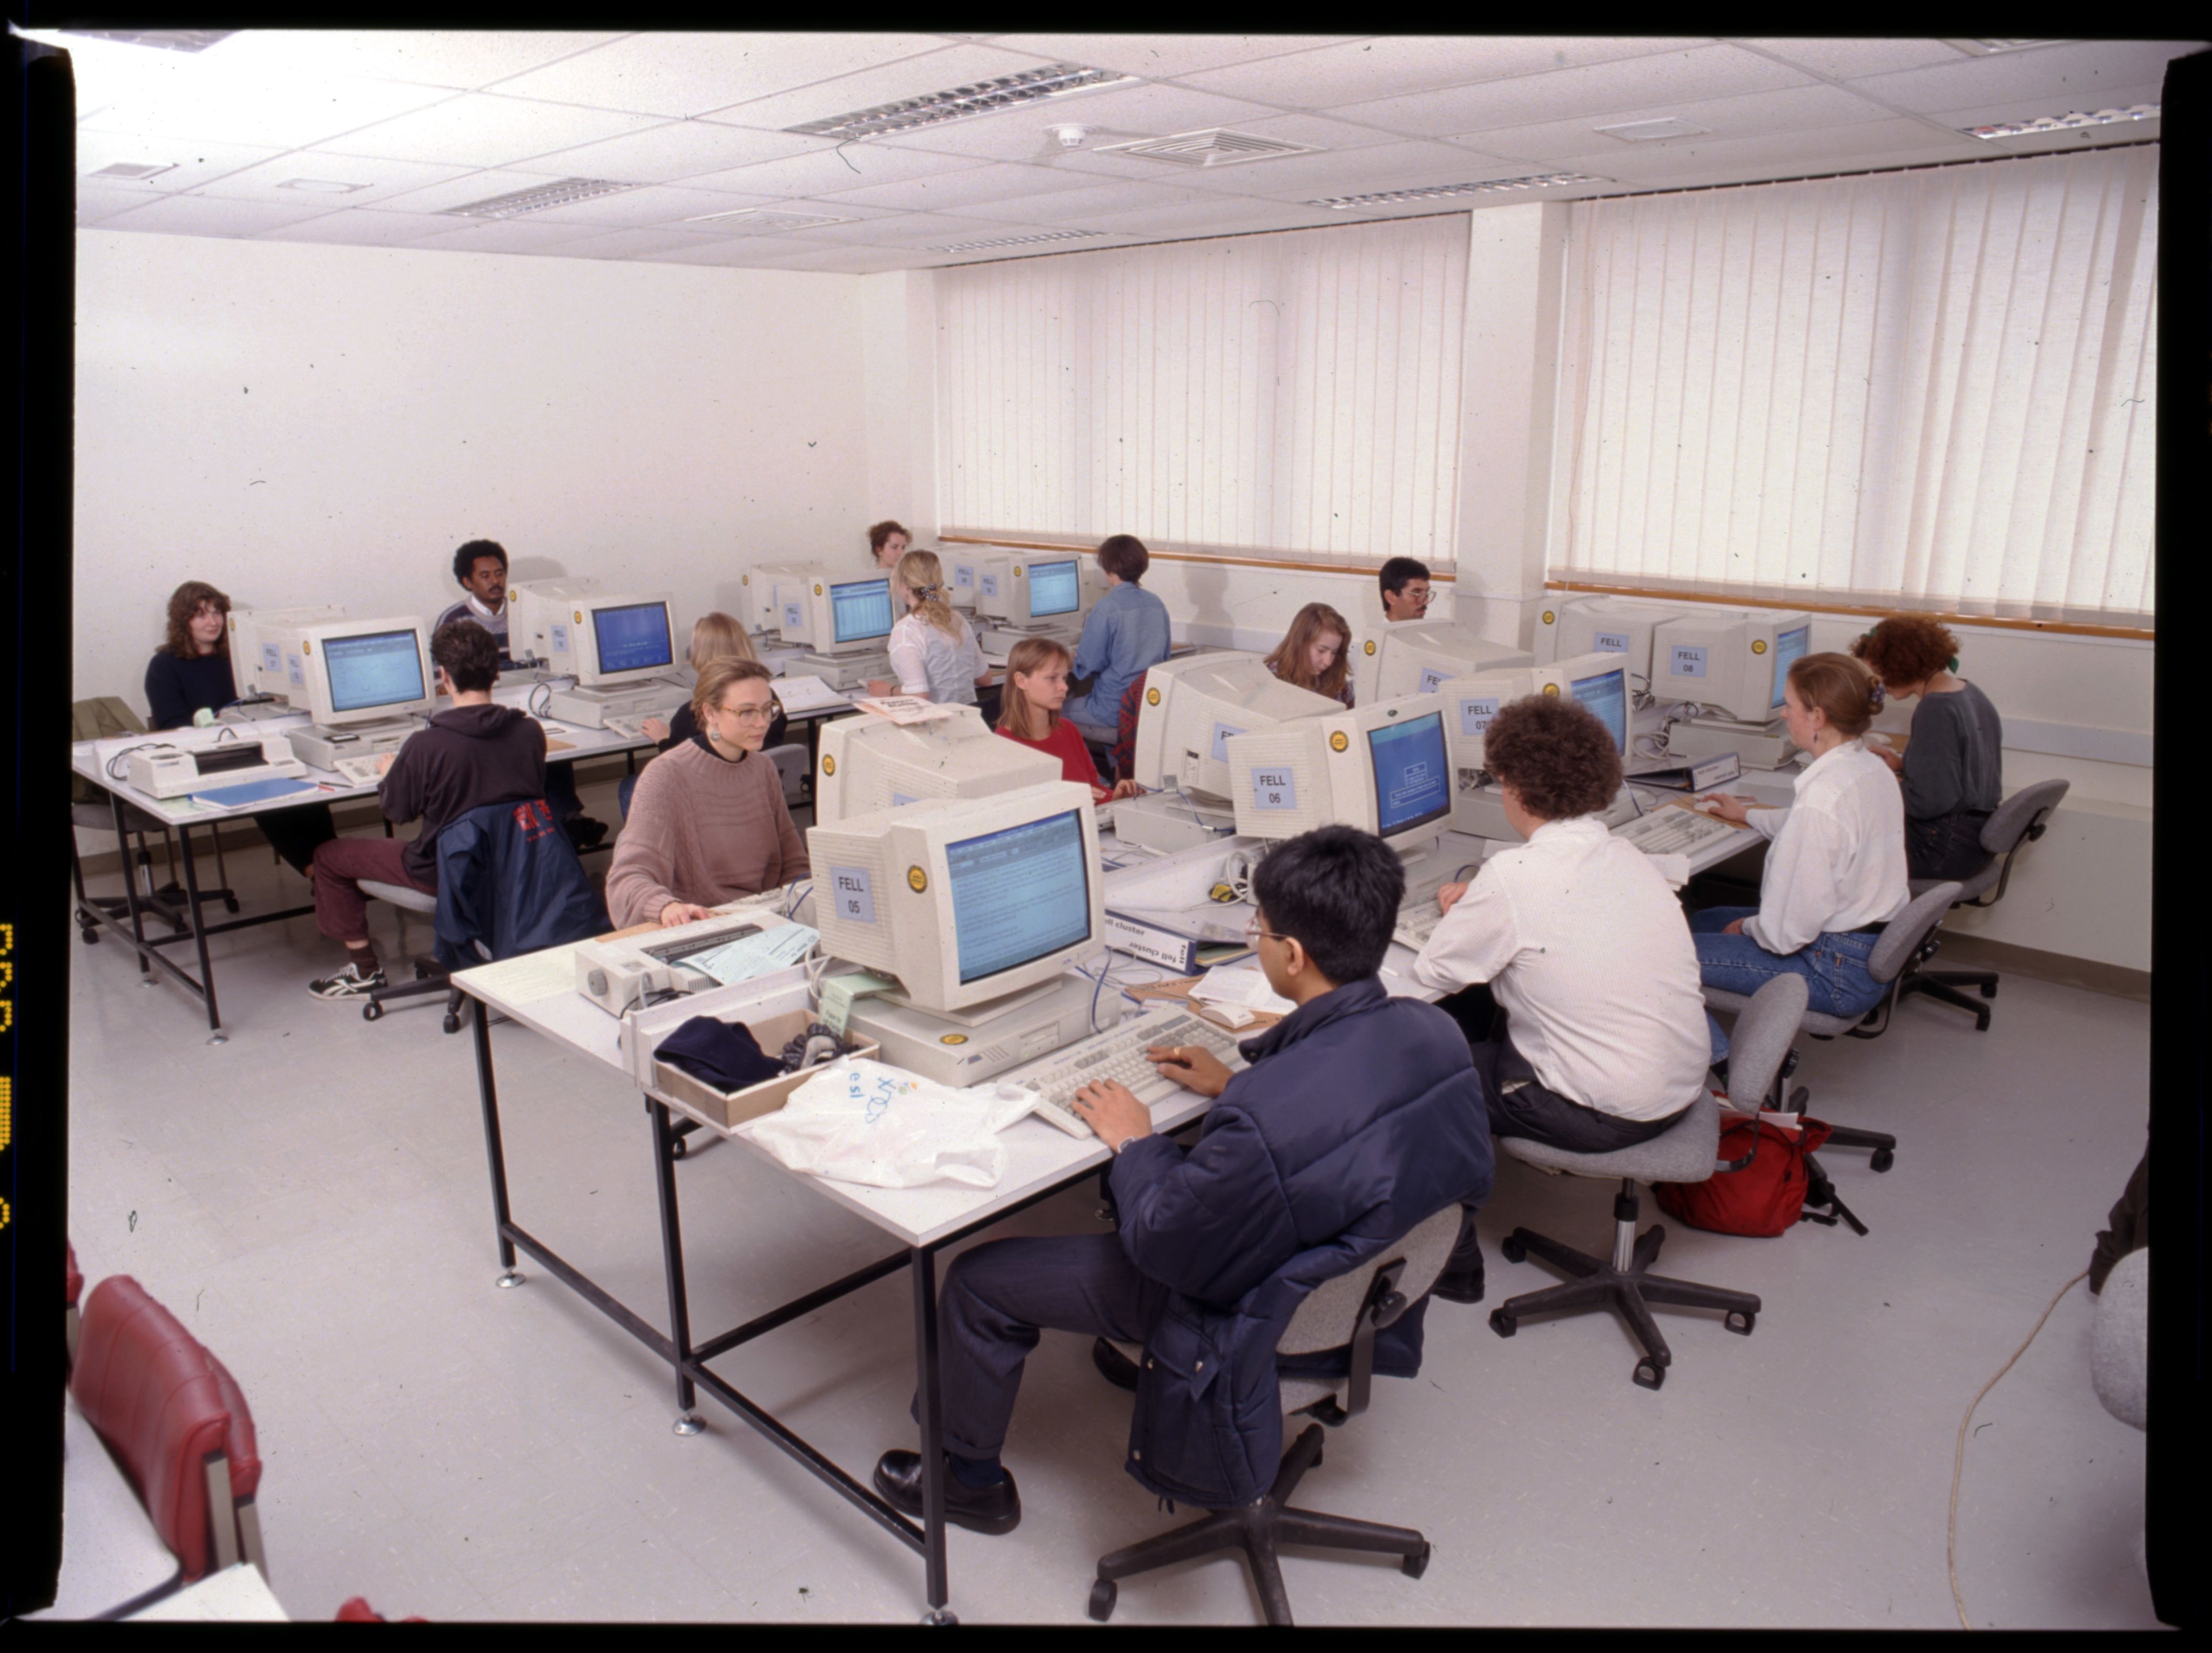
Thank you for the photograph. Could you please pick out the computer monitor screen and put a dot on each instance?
(1055, 588)
(634, 637)
(1413, 776)
(380, 668)
(1789, 647)
(1019, 893)
(859, 610)
(1606, 693)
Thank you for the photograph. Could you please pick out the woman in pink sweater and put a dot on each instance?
(708, 822)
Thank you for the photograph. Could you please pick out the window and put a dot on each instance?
(1934, 388)
(1263, 394)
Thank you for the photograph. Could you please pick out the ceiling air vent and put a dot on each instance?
(958, 102)
(562, 193)
(1437, 191)
(1217, 146)
(764, 221)
(1019, 240)
(136, 171)
(1643, 132)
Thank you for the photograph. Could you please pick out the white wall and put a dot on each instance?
(304, 424)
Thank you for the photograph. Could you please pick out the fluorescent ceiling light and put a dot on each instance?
(320, 186)
(1019, 240)
(1437, 191)
(1642, 131)
(958, 102)
(565, 192)
(765, 221)
(1986, 48)
(136, 171)
(1214, 146)
(2063, 122)
(169, 40)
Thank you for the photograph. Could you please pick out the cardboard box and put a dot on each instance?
(775, 1016)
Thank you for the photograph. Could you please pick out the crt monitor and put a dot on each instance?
(1733, 665)
(959, 567)
(1385, 767)
(834, 615)
(1020, 589)
(1603, 625)
(1415, 656)
(964, 900)
(365, 670)
(869, 763)
(598, 637)
(756, 605)
(1191, 707)
(1600, 682)
(257, 646)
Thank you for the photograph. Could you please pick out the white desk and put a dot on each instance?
(237, 1595)
(112, 1556)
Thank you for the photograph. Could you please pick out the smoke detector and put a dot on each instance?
(1071, 136)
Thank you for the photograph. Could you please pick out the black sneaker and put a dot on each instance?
(992, 1510)
(351, 983)
(1114, 1366)
(1460, 1285)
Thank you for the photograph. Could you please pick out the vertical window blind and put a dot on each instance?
(1263, 395)
(1933, 388)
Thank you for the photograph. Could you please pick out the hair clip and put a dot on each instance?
(1878, 694)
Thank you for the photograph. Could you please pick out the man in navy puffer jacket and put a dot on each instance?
(1360, 1116)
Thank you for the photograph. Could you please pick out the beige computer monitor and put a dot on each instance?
(869, 764)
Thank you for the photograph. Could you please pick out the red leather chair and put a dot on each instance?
(176, 1422)
(73, 1289)
(357, 1611)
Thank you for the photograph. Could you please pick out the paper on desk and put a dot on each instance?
(807, 694)
(1227, 985)
(754, 955)
(905, 708)
(529, 978)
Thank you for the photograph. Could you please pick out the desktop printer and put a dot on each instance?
(619, 975)
(170, 774)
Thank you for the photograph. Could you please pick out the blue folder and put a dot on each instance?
(253, 792)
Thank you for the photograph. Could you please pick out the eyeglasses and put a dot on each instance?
(1253, 932)
(767, 713)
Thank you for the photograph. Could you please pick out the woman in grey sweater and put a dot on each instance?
(1952, 769)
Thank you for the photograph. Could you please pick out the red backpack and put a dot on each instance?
(1766, 1198)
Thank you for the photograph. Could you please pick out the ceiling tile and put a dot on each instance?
(1161, 56)
(2049, 79)
(1797, 108)
(380, 179)
(485, 129)
(751, 251)
(193, 163)
(1113, 116)
(848, 166)
(1901, 140)
(910, 77)
(1398, 66)
(462, 59)
(1075, 206)
(519, 236)
(464, 190)
(97, 201)
(676, 150)
(635, 243)
(200, 215)
(1661, 80)
(638, 209)
(204, 101)
(952, 192)
(1358, 172)
(1221, 217)
(673, 74)
(354, 228)
(1844, 60)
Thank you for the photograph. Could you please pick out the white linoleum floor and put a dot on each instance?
(311, 1198)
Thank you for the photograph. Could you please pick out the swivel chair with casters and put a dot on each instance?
(2020, 819)
(429, 975)
(1685, 1152)
(1344, 1312)
(794, 769)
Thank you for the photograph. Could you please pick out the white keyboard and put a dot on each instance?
(1416, 924)
(1118, 1054)
(1672, 830)
(359, 771)
(629, 727)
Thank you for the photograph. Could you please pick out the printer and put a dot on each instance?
(165, 772)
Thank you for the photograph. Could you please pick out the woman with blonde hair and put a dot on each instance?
(1036, 688)
(1315, 652)
(932, 648)
(713, 637)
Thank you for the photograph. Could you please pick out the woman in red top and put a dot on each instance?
(1036, 688)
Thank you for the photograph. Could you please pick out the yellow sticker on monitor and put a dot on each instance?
(580, 616)
(828, 764)
(1550, 618)
(916, 879)
(817, 592)
(1553, 689)
(1370, 645)
(1338, 741)
(952, 1038)
(1152, 697)
(1759, 645)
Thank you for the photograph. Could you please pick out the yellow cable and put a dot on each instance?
(1959, 1458)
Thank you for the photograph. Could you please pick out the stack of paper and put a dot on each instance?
(754, 955)
(1244, 987)
(807, 694)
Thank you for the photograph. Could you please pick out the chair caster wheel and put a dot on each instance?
(1883, 1160)
(1989, 990)
(1649, 1376)
(1503, 1323)
(1743, 1323)
(230, 903)
(1513, 1250)
(1416, 1564)
(452, 1022)
(371, 1011)
(1102, 1599)
(90, 938)
(421, 975)
(939, 1616)
(676, 1150)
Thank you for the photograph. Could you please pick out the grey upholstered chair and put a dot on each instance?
(2020, 819)
(1344, 1313)
(1684, 1153)
(429, 975)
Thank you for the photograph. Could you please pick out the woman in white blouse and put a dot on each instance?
(1835, 871)
(932, 648)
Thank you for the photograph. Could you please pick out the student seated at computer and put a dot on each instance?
(1577, 939)
(708, 822)
(471, 754)
(1126, 635)
(1359, 1116)
(1036, 688)
(1315, 652)
(191, 674)
(713, 637)
(932, 648)
(1835, 871)
(1405, 585)
(887, 543)
(480, 569)
(1952, 767)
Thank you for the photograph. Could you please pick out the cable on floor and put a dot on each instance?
(1958, 1458)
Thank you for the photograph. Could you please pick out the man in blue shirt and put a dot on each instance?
(1126, 637)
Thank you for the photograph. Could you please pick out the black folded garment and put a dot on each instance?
(723, 1054)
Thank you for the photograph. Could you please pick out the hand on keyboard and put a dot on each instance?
(1193, 1066)
(1112, 1111)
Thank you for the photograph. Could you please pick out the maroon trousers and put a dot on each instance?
(340, 910)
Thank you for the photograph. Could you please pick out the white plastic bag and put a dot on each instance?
(864, 1121)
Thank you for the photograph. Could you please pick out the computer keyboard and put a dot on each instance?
(359, 771)
(1671, 830)
(630, 729)
(1416, 924)
(1118, 1054)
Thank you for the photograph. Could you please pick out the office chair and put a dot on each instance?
(1907, 941)
(794, 769)
(429, 975)
(1346, 1311)
(2020, 819)
(1683, 1153)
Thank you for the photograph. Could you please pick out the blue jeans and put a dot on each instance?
(1834, 965)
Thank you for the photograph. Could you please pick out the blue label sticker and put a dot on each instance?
(963, 574)
(560, 644)
(1475, 712)
(272, 658)
(854, 893)
(1432, 678)
(1274, 789)
(1687, 662)
(794, 615)
(1222, 732)
(1609, 642)
(297, 669)
(990, 585)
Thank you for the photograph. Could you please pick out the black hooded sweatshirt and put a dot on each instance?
(467, 756)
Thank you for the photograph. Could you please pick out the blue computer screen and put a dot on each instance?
(384, 668)
(1019, 893)
(1055, 588)
(1606, 695)
(1788, 646)
(1413, 776)
(634, 637)
(860, 609)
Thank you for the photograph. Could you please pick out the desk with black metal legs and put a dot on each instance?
(1041, 1162)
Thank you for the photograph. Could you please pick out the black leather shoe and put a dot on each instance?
(1460, 1286)
(991, 1510)
(1114, 1366)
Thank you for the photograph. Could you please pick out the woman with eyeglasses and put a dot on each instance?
(708, 822)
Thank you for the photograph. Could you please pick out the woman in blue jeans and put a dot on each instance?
(1835, 870)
